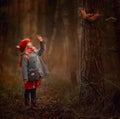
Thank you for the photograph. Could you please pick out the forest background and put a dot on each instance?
(84, 75)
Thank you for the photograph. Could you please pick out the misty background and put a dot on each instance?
(67, 48)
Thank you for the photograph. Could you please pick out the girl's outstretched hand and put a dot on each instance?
(39, 38)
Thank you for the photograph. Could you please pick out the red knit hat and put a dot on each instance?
(22, 44)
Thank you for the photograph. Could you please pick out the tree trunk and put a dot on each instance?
(116, 4)
(92, 88)
(41, 16)
(72, 43)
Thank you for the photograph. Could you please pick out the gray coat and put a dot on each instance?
(40, 64)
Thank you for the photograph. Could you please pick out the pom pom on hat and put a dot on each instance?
(22, 44)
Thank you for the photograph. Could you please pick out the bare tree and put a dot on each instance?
(92, 86)
(117, 23)
(72, 57)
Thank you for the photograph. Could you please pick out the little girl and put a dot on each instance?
(26, 48)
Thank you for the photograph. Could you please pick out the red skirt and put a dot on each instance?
(32, 85)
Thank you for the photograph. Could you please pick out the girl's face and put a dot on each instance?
(29, 45)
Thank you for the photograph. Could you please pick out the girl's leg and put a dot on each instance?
(33, 93)
(33, 98)
(26, 97)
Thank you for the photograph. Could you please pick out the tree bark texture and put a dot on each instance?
(92, 84)
(72, 44)
(116, 6)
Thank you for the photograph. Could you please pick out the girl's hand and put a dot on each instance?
(25, 81)
(39, 38)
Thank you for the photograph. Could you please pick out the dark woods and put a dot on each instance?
(93, 5)
(82, 55)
